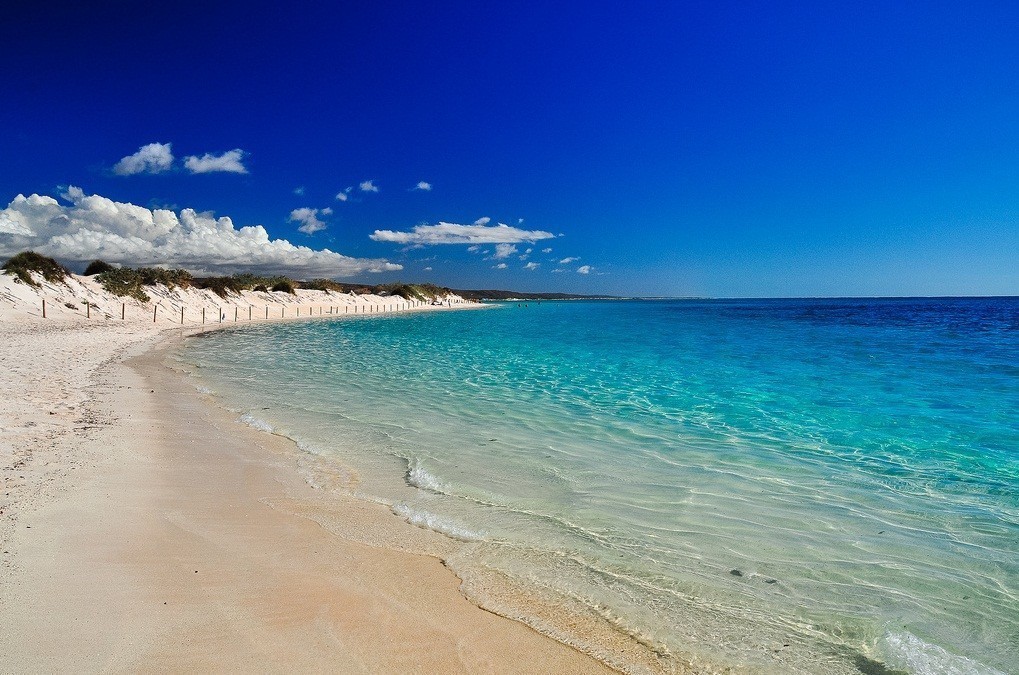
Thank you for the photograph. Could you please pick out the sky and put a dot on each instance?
(725, 149)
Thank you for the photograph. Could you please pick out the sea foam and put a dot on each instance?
(420, 478)
(256, 423)
(905, 650)
(431, 521)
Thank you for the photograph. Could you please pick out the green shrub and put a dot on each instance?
(284, 286)
(412, 291)
(322, 285)
(124, 281)
(23, 264)
(152, 276)
(97, 267)
(223, 286)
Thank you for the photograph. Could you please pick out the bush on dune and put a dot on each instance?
(128, 282)
(152, 276)
(23, 264)
(123, 282)
(322, 285)
(224, 286)
(98, 267)
(284, 286)
(412, 291)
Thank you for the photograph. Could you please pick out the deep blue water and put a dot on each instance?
(837, 475)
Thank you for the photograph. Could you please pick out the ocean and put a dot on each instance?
(821, 485)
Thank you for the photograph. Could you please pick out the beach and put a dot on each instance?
(417, 488)
(146, 529)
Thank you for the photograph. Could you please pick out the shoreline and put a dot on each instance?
(156, 531)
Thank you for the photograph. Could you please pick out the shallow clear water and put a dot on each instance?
(718, 477)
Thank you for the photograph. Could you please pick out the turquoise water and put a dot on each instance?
(782, 484)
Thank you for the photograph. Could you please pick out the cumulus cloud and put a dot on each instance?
(309, 219)
(327, 211)
(428, 269)
(547, 250)
(93, 227)
(504, 251)
(567, 261)
(473, 249)
(344, 194)
(451, 233)
(151, 158)
(423, 185)
(368, 186)
(532, 266)
(500, 266)
(584, 269)
(483, 220)
(229, 162)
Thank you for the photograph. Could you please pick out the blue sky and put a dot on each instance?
(721, 149)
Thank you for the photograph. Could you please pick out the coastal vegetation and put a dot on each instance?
(98, 267)
(23, 264)
(125, 281)
(131, 282)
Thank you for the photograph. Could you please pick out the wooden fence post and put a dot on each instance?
(44, 308)
(88, 310)
(154, 308)
(123, 310)
(203, 315)
(182, 315)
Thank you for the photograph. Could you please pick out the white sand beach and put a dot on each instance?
(143, 528)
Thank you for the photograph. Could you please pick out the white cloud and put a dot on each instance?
(368, 186)
(309, 219)
(483, 220)
(229, 162)
(299, 191)
(344, 194)
(532, 266)
(151, 158)
(504, 251)
(567, 261)
(547, 250)
(584, 269)
(96, 227)
(428, 269)
(500, 266)
(423, 185)
(474, 249)
(451, 233)
(326, 211)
